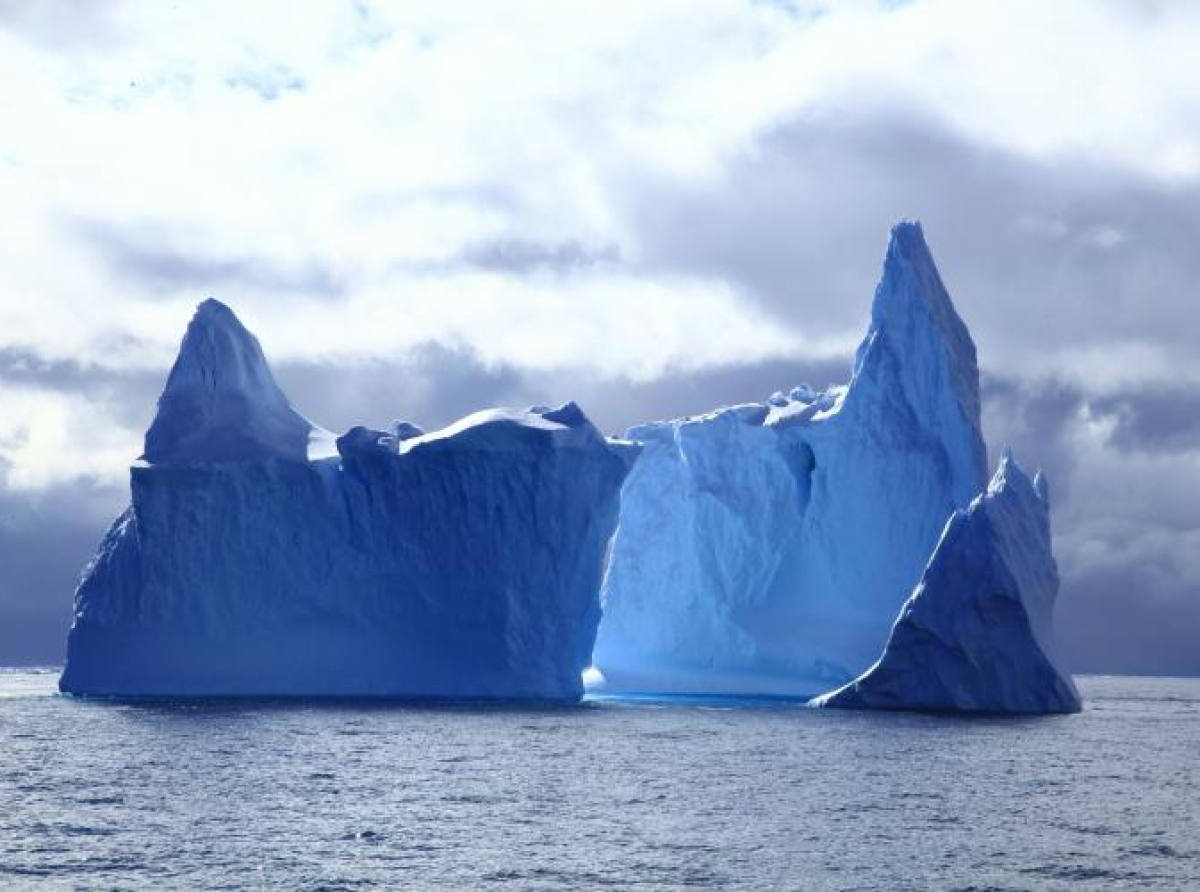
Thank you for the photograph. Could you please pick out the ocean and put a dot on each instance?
(609, 794)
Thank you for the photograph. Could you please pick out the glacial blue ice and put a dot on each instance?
(765, 549)
(977, 634)
(762, 549)
(261, 556)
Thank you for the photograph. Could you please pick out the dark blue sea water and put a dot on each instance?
(608, 794)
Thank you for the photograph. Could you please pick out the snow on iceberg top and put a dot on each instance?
(222, 404)
(502, 429)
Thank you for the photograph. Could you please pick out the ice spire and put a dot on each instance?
(221, 402)
(918, 348)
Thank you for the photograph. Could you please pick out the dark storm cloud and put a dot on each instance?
(1140, 617)
(158, 259)
(1157, 418)
(1036, 420)
(1130, 600)
(1034, 253)
(46, 538)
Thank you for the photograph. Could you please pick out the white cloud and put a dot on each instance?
(380, 143)
(51, 437)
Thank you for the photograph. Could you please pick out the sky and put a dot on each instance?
(651, 208)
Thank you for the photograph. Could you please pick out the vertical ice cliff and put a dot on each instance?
(977, 633)
(765, 548)
(464, 562)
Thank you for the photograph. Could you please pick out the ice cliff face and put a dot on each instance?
(977, 634)
(464, 562)
(766, 548)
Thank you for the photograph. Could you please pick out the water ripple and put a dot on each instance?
(613, 794)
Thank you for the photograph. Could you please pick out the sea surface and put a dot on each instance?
(656, 795)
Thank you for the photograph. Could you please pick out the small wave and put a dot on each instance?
(1156, 850)
(471, 799)
(1079, 872)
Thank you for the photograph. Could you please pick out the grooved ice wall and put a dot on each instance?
(766, 548)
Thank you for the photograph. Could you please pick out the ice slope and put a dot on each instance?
(977, 633)
(464, 562)
(766, 548)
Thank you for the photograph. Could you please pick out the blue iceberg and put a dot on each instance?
(765, 549)
(977, 633)
(262, 556)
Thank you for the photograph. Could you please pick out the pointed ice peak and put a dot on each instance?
(918, 354)
(911, 283)
(218, 352)
(211, 308)
(1011, 481)
(221, 402)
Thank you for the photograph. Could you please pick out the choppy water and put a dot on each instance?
(251, 795)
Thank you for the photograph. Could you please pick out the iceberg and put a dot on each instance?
(765, 549)
(977, 633)
(262, 556)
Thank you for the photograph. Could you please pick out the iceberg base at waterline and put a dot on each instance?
(976, 635)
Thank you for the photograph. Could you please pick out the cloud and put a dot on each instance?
(154, 259)
(1026, 246)
(333, 157)
(520, 256)
(1157, 418)
(1125, 517)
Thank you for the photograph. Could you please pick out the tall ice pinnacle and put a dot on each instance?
(221, 402)
(919, 351)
